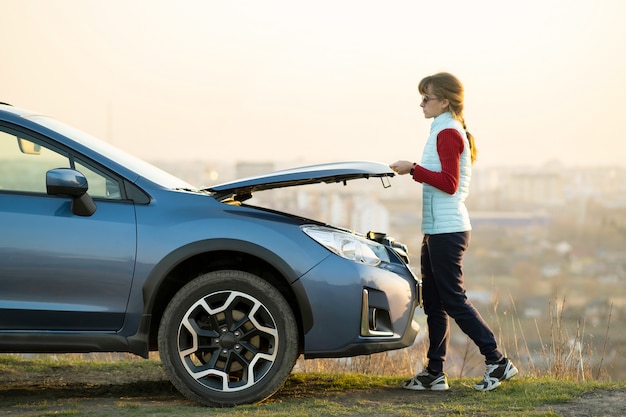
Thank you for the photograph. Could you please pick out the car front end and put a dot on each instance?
(359, 272)
(361, 294)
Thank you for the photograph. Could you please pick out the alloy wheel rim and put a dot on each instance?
(228, 341)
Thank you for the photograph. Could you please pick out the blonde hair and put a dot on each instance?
(446, 86)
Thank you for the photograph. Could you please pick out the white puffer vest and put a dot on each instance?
(442, 212)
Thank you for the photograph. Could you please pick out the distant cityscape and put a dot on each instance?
(542, 237)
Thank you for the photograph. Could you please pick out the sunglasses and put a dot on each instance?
(426, 99)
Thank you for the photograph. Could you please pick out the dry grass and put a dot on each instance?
(568, 353)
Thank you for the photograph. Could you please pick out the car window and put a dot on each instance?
(24, 162)
(100, 184)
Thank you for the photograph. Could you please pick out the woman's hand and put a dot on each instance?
(401, 167)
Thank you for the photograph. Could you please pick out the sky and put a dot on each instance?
(322, 81)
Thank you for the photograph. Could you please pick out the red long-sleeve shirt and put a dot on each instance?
(449, 147)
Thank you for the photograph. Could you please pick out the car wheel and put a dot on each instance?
(228, 338)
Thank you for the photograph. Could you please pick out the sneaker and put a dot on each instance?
(496, 373)
(427, 381)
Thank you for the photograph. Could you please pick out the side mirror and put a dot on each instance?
(66, 181)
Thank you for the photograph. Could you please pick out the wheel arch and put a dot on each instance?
(190, 261)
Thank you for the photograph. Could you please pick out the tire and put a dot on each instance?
(228, 338)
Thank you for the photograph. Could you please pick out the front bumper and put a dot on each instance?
(358, 309)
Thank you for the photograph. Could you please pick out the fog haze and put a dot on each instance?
(321, 81)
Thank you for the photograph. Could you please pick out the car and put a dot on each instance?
(103, 252)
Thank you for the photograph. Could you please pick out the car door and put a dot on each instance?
(60, 271)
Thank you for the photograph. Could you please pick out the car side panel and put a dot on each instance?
(187, 225)
(59, 271)
(194, 219)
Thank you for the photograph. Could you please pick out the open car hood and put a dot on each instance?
(242, 190)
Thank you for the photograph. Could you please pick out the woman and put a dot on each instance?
(445, 172)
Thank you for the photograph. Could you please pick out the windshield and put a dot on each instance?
(129, 161)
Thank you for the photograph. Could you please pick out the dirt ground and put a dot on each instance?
(103, 390)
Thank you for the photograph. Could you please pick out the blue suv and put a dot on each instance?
(102, 252)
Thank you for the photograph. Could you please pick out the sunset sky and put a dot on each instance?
(322, 80)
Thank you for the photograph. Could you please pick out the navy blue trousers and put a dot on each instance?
(444, 296)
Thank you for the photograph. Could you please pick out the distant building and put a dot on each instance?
(509, 218)
(541, 188)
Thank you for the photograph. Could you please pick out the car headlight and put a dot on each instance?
(347, 245)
